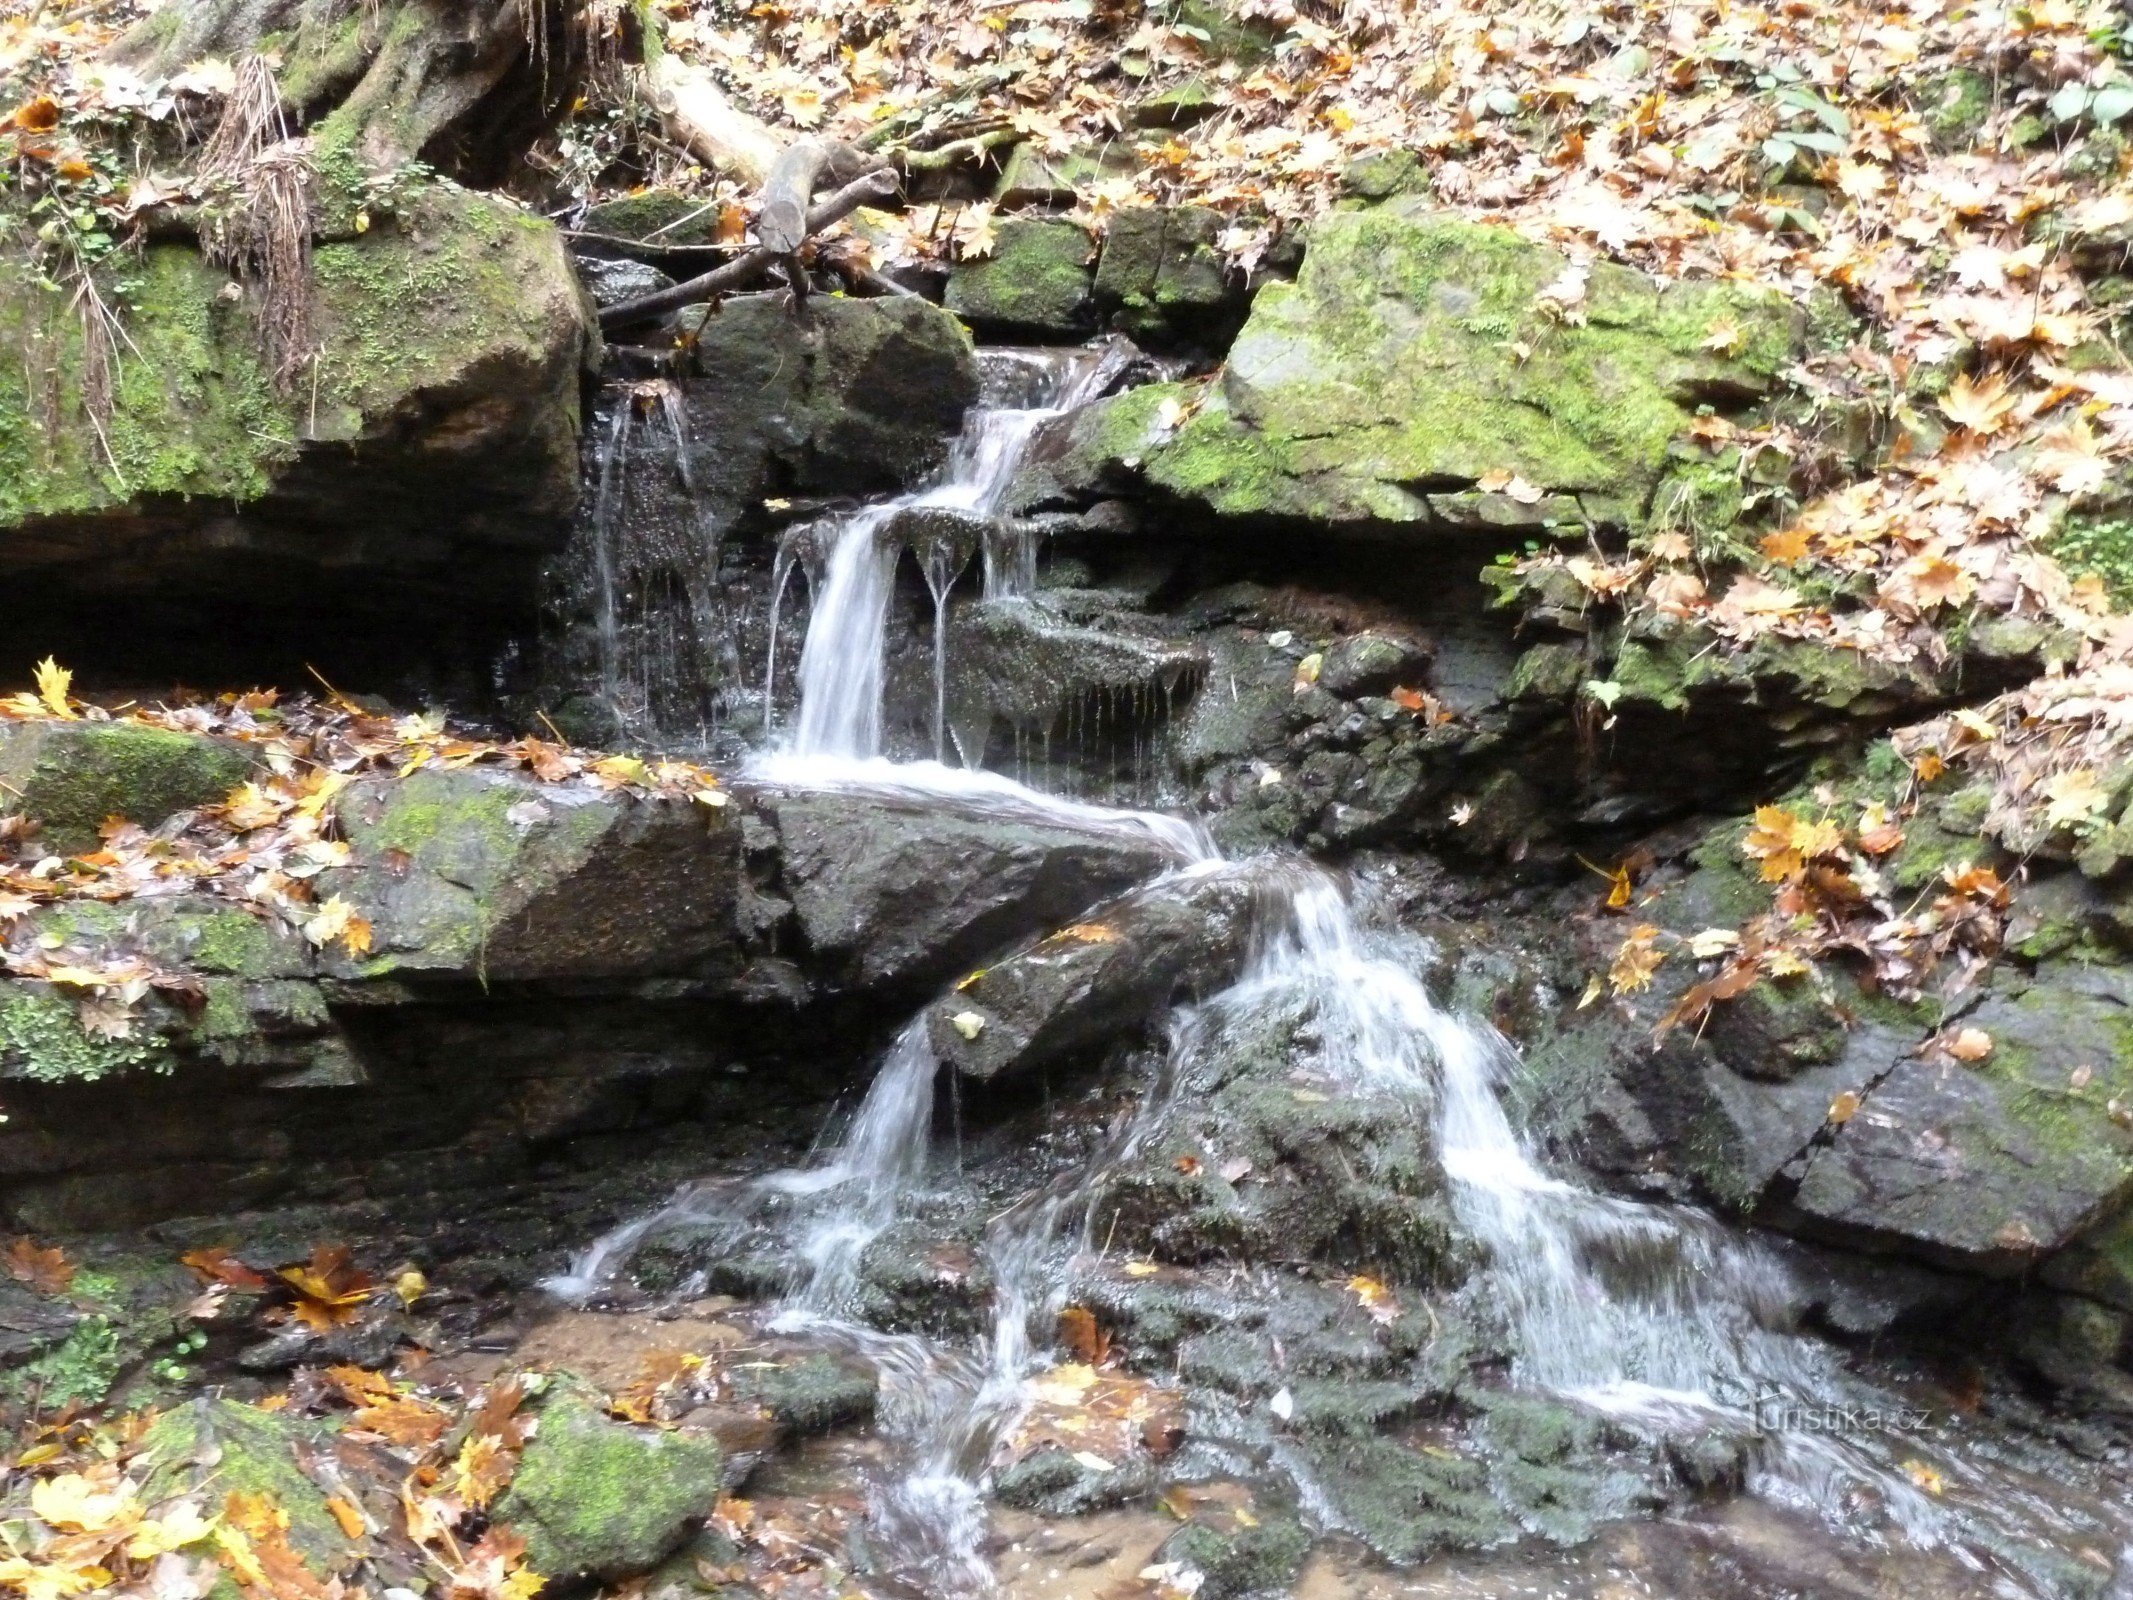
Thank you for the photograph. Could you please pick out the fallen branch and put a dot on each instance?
(781, 218)
(975, 148)
(711, 127)
(868, 186)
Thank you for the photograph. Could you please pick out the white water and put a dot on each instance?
(1656, 1316)
(841, 662)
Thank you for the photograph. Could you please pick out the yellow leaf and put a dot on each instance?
(72, 1503)
(410, 1286)
(1636, 959)
(52, 682)
(967, 1023)
(180, 1525)
(1843, 1108)
(1981, 407)
(1969, 1044)
(2075, 798)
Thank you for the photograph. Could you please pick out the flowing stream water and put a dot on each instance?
(1657, 1316)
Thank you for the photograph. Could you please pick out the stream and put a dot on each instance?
(1658, 1318)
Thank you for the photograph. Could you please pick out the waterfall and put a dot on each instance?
(841, 662)
(1655, 1316)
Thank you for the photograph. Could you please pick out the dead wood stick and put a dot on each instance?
(834, 208)
(804, 166)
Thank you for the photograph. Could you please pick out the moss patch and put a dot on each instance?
(594, 1496)
(42, 1039)
(193, 413)
(233, 1448)
(1037, 279)
(1388, 371)
(72, 776)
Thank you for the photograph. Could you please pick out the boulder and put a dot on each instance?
(1021, 662)
(858, 397)
(595, 1498)
(1033, 176)
(893, 894)
(69, 777)
(490, 874)
(1120, 967)
(1160, 277)
(1994, 1165)
(220, 1447)
(1036, 283)
(1417, 354)
(427, 453)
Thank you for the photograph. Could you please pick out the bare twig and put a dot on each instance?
(869, 186)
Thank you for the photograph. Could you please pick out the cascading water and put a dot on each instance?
(841, 661)
(1655, 1316)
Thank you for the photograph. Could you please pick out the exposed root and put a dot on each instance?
(265, 234)
(100, 336)
(252, 119)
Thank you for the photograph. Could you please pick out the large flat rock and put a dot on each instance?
(890, 893)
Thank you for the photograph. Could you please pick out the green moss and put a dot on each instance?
(235, 1448)
(677, 218)
(232, 942)
(1390, 364)
(324, 57)
(82, 1370)
(594, 1496)
(2088, 544)
(72, 776)
(193, 413)
(398, 311)
(1037, 279)
(404, 308)
(1238, 1560)
(42, 1039)
(808, 1396)
(1957, 106)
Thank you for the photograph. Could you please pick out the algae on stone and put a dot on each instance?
(1036, 281)
(595, 1497)
(71, 776)
(228, 1447)
(1416, 354)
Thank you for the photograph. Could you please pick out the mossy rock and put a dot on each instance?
(1416, 354)
(811, 1395)
(490, 874)
(1236, 1558)
(1955, 107)
(1035, 177)
(1381, 174)
(42, 1040)
(1036, 283)
(665, 214)
(449, 337)
(1178, 106)
(598, 1498)
(71, 776)
(2025, 1154)
(1159, 274)
(224, 1447)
